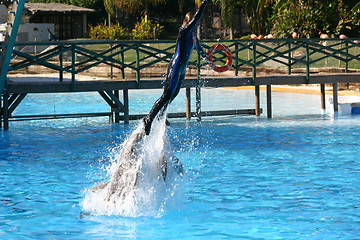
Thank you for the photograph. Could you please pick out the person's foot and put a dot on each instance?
(147, 125)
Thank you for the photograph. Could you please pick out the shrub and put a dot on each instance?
(115, 32)
(146, 30)
(142, 30)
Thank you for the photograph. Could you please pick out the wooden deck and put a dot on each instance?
(119, 84)
(109, 90)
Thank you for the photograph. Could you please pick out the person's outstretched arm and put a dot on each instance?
(197, 16)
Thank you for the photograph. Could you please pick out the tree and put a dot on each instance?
(227, 14)
(310, 17)
(181, 5)
(258, 13)
(198, 2)
(86, 3)
(50, 1)
(80, 3)
(134, 6)
(110, 9)
(349, 23)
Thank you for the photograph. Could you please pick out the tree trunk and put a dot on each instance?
(146, 13)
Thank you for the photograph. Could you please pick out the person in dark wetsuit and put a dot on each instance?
(177, 66)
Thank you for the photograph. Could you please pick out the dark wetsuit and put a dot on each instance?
(177, 66)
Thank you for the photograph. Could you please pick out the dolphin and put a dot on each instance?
(125, 177)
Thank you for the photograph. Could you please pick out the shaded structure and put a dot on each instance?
(70, 21)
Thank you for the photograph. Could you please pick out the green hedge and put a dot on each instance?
(142, 30)
(147, 30)
(115, 32)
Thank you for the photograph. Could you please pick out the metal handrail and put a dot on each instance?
(253, 53)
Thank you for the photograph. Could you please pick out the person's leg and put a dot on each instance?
(163, 110)
(172, 82)
(158, 106)
(178, 86)
(172, 96)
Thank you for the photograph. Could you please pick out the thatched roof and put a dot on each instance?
(33, 8)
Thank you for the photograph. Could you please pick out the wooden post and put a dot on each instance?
(1, 113)
(6, 110)
(198, 91)
(254, 64)
(346, 57)
(340, 54)
(117, 114)
(122, 62)
(137, 64)
(236, 60)
(35, 47)
(73, 68)
(61, 72)
(257, 100)
(198, 103)
(289, 58)
(307, 62)
(126, 106)
(111, 116)
(188, 103)
(268, 101)
(111, 66)
(335, 97)
(322, 90)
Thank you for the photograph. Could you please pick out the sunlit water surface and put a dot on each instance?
(295, 176)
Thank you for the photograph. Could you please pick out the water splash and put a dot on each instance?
(145, 177)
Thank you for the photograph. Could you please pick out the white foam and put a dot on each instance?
(151, 195)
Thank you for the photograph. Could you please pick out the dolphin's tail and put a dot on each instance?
(101, 186)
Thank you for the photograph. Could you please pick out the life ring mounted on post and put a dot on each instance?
(210, 53)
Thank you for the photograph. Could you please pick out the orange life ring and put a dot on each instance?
(220, 47)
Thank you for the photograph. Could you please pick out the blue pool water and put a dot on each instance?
(295, 176)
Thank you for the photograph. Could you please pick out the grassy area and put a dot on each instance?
(130, 55)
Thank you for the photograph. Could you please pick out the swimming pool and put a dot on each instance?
(291, 177)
